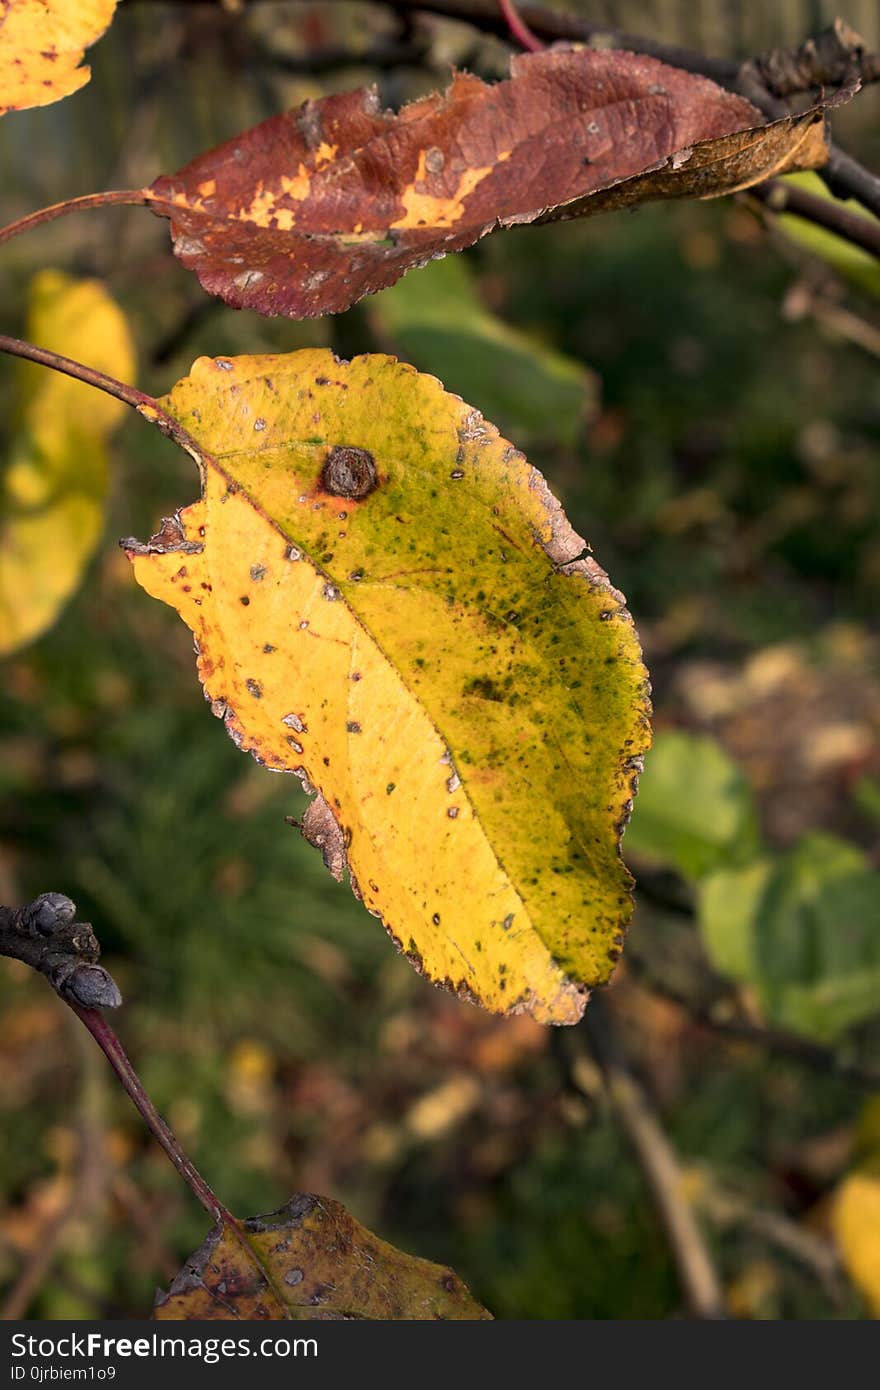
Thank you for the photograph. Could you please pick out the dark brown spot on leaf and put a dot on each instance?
(349, 472)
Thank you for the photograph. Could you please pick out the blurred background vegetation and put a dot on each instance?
(701, 391)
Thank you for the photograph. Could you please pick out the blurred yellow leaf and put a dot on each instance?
(41, 47)
(54, 483)
(855, 1219)
(388, 601)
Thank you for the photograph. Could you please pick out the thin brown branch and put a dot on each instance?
(815, 1252)
(830, 59)
(552, 26)
(659, 1164)
(715, 1017)
(116, 1055)
(44, 935)
(804, 299)
(781, 197)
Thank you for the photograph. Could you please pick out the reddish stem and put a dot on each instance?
(519, 29)
(145, 405)
(136, 197)
(115, 1053)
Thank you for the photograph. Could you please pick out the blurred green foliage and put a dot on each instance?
(695, 809)
(728, 483)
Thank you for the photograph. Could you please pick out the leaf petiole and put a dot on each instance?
(145, 405)
(116, 1055)
(136, 197)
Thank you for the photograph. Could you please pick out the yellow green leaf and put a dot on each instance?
(311, 1260)
(41, 47)
(54, 482)
(855, 1219)
(388, 601)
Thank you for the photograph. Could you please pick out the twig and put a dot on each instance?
(115, 1053)
(830, 59)
(45, 936)
(659, 1164)
(841, 322)
(727, 1209)
(145, 405)
(777, 1040)
(46, 1245)
(780, 197)
(846, 178)
(51, 916)
(552, 26)
(519, 30)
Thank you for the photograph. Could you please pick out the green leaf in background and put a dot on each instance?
(694, 809)
(866, 795)
(435, 320)
(54, 486)
(803, 931)
(850, 261)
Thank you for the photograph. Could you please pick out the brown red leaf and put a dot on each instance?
(309, 211)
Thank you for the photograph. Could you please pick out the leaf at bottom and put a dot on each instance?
(311, 1260)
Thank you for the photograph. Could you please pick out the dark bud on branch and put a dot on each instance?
(45, 935)
(93, 987)
(47, 913)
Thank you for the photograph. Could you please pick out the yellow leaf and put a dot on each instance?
(311, 1260)
(855, 1218)
(41, 47)
(53, 486)
(388, 601)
